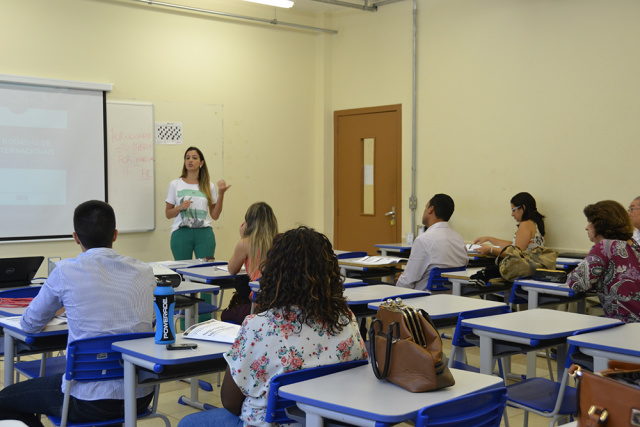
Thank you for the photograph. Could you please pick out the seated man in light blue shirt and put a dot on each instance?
(439, 246)
(103, 293)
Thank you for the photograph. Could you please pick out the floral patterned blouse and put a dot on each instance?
(612, 268)
(536, 240)
(270, 343)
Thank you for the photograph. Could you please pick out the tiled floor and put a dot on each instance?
(171, 392)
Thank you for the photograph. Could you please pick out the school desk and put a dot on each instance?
(394, 249)
(619, 343)
(357, 397)
(147, 363)
(462, 284)
(53, 338)
(365, 294)
(531, 329)
(539, 292)
(444, 309)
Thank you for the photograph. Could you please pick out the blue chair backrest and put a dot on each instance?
(276, 404)
(93, 359)
(480, 409)
(458, 335)
(436, 280)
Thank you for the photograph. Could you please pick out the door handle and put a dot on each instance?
(392, 214)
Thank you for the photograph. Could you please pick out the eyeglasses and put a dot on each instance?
(633, 208)
(516, 208)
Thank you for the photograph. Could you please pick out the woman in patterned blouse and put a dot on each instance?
(612, 267)
(304, 321)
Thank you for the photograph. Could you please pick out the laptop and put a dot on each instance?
(18, 272)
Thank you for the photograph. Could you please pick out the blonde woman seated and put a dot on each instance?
(256, 236)
(612, 267)
(530, 231)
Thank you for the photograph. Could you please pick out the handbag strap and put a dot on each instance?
(374, 361)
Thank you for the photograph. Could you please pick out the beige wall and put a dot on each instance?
(539, 96)
(513, 95)
(263, 76)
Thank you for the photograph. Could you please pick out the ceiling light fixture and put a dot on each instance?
(277, 3)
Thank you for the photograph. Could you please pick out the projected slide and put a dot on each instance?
(52, 157)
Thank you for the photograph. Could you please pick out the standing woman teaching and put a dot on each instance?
(530, 231)
(194, 202)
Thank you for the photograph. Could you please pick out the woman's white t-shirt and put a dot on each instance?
(197, 215)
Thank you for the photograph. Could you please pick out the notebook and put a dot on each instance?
(18, 272)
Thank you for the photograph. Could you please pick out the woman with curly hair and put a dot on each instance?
(612, 267)
(304, 322)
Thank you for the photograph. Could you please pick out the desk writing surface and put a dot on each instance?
(357, 262)
(543, 285)
(358, 392)
(443, 306)
(624, 339)
(205, 274)
(538, 324)
(371, 293)
(147, 349)
(462, 274)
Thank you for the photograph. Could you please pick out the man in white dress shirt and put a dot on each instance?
(634, 214)
(439, 246)
(104, 293)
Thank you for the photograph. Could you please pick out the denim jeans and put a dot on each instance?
(26, 400)
(218, 417)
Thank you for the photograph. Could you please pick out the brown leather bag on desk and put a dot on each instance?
(610, 398)
(406, 349)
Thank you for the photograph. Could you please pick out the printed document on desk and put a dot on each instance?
(379, 260)
(213, 330)
(54, 324)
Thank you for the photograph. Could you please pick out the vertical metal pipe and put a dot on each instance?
(413, 200)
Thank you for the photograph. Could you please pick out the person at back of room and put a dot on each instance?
(634, 214)
(257, 231)
(529, 234)
(193, 203)
(303, 322)
(439, 246)
(103, 293)
(612, 267)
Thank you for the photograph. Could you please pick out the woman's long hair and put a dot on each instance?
(204, 181)
(529, 209)
(301, 270)
(262, 227)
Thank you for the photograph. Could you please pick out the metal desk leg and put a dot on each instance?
(532, 300)
(531, 364)
(130, 409)
(486, 355)
(9, 356)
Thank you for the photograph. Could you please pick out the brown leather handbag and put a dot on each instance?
(610, 398)
(406, 349)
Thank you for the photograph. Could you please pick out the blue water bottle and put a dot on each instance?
(164, 306)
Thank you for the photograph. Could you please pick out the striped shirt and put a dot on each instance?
(104, 293)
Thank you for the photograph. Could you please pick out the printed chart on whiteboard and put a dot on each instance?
(168, 133)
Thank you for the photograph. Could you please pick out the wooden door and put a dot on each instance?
(367, 181)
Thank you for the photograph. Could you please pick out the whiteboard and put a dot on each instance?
(130, 165)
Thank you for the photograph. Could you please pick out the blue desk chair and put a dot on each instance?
(91, 360)
(276, 405)
(436, 281)
(463, 337)
(546, 397)
(480, 409)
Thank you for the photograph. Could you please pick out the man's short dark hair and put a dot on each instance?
(95, 224)
(443, 206)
